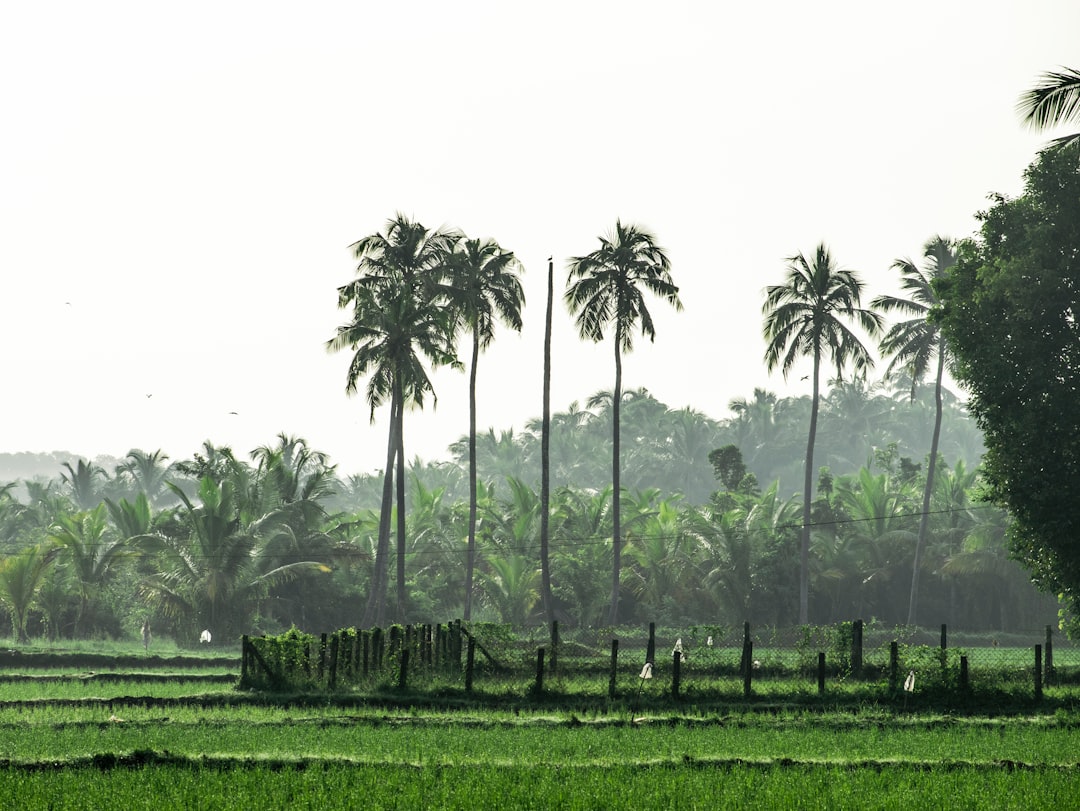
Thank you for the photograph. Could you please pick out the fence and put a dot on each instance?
(716, 661)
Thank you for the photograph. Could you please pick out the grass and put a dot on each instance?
(73, 743)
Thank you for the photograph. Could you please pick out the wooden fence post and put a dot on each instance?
(538, 687)
(380, 647)
(965, 682)
(403, 672)
(455, 640)
(744, 661)
(821, 672)
(894, 667)
(243, 659)
(470, 658)
(322, 656)
(748, 676)
(335, 644)
(650, 651)
(614, 667)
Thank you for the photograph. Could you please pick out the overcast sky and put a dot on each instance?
(179, 185)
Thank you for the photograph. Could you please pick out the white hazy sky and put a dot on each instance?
(179, 184)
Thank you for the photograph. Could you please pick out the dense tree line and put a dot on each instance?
(277, 538)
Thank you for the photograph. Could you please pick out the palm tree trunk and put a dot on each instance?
(808, 491)
(375, 608)
(931, 465)
(616, 535)
(545, 459)
(470, 555)
(401, 513)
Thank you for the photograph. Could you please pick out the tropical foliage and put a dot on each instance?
(280, 540)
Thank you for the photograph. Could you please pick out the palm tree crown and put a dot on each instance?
(608, 285)
(804, 315)
(1054, 100)
(914, 344)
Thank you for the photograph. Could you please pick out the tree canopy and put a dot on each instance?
(1009, 311)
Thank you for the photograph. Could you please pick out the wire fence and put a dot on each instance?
(704, 660)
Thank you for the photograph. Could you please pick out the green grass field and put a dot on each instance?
(162, 737)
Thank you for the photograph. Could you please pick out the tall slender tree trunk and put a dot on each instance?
(616, 535)
(470, 554)
(928, 489)
(401, 514)
(545, 459)
(375, 608)
(808, 492)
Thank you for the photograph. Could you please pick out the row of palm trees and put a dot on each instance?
(417, 289)
(812, 314)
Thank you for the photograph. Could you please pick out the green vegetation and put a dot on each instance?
(1008, 310)
(320, 754)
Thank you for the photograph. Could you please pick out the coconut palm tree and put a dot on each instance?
(808, 315)
(148, 473)
(82, 482)
(399, 318)
(1054, 100)
(93, 553)
(21, 577)
(915, 345)
(606, 287)
(485, 287)
(217, 566)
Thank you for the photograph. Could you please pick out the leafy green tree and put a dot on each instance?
(1054, 100)
(1008, 310)
(607, 287)
(21, 577)
(397, 321)
(914, 346)
(807, 316)
(485, 287)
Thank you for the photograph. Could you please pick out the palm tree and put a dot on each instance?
(607, 286)
(92, 551)
(21, 577)
(805, 316)
(914, 345)
(397, 319)
(485, 287)
(148, 473)
(82, 482)
(1055, 100)
(217, 566)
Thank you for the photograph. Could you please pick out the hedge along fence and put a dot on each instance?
(700, 660)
